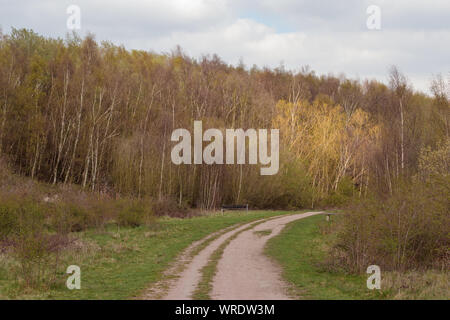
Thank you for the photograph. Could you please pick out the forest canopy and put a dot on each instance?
(101, 116)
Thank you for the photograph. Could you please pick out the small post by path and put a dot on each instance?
(328, 217)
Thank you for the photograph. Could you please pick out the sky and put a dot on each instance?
(329, 36)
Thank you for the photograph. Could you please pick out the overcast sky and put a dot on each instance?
(328, 35)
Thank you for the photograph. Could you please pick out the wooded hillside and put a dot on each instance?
(98, 115)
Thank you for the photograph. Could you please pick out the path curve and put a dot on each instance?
(244, 272)
(187, 282)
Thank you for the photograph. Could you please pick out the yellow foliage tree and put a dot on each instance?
(332, 144)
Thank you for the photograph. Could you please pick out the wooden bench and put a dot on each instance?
(234, 207)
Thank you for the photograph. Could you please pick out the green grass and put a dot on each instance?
(122, 263)
(301, 251)
(263, 233)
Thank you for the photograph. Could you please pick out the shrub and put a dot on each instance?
(408, 230)
(68, 217)
(169, 207)
(27, 239)
(135, 214)
(342, 195)
(8, 219)
(38, 256)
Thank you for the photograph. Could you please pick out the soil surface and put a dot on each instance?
(243, 272)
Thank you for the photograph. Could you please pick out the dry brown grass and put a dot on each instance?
(433, 285)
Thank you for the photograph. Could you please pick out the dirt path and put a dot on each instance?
(186, 282)
(174, 274)
(244, 272)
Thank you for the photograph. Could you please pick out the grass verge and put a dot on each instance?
(300, 249)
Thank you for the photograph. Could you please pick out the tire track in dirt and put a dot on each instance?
(170, 276)
(244, 272)
(182, 277)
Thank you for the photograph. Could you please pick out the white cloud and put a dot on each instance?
(328, 35)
